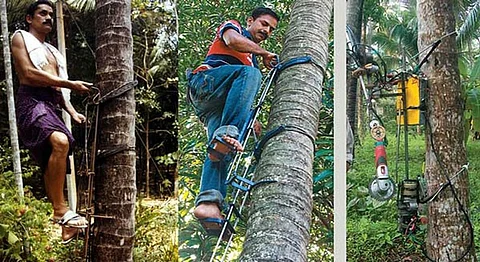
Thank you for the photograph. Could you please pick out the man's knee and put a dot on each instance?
(252, 73)
(59, 142)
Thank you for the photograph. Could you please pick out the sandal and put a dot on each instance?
(214, 226)
(80, 233)
(72, 219)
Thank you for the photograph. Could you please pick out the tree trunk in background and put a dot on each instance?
(448, 234)
(147, 151)
(12, 120)
(279, 216)
(354, 21)
(115, 189)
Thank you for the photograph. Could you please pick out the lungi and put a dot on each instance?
(39, 114)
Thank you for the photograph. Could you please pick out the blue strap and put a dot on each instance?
(259, 147)
(293, 61)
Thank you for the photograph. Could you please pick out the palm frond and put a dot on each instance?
(83, 5)
(471, 23)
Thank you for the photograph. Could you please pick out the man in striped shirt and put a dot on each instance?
(222, 90)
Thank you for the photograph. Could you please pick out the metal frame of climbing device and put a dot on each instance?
(241, 177)
(96, 99)
(244, 183)
(90, 169)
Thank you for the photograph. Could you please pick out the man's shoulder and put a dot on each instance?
(23, 37)
(18, 34)
(231, 23)
(17, 39)
(21, 32)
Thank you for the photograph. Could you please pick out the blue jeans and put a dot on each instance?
(221, 96)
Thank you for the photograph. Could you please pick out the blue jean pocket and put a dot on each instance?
(201, 86)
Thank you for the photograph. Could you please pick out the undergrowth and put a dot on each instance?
(372, 225)
(26, 233)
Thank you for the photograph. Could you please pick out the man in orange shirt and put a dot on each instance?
(222, 90)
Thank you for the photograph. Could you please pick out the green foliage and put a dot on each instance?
(473, 105)
(156, 231)
(395, 32)
(155, 60)
(321, 231)
(372, 226)
(469, 27)
(25, 230)
(369, 241)
(373, 11)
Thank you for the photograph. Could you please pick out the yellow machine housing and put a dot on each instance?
(412, 88)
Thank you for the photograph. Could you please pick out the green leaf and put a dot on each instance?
(475, 74)
(12, 238)
(323, 152)
(473, 103)
(325, 174)
(3, 230)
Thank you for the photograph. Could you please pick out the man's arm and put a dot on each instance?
(31, 76)
(236, 41)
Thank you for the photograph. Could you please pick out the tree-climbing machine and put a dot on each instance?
(240, 175)
(409, 87)
(91, 153)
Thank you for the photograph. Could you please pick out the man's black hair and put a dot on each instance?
(259, 11)
(31, 9)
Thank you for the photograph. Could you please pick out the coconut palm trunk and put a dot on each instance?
(354, 21)
(279, 215)
(448, 236)
(115, 189)
(12, 120)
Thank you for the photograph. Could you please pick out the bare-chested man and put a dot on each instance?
(41, 71)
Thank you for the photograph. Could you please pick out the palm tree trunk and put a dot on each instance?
(354, 21)
(12, 120)
(448, 233)
(147, 153)
(115, 189)
(279, 216)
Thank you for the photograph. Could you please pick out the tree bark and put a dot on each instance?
(279, 217)
(12, 119)
(147, 153)
(115, 189)
(448, 233)
(354, 21)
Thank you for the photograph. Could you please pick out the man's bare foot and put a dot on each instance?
(207, 210)
(59, 211)
(221, 149)
(233, 142)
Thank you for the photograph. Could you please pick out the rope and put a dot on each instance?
(80, 31)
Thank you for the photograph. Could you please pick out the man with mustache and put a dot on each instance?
(41, 70)
(222, 90)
